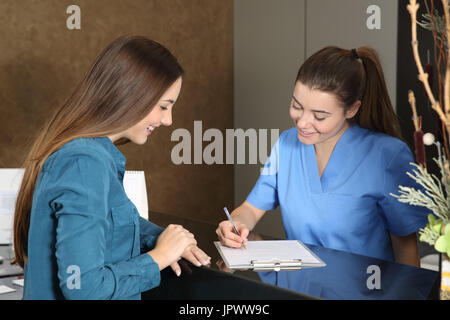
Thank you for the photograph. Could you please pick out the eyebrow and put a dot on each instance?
(318, 111)
(168, 100)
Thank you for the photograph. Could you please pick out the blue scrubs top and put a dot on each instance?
(349, 208)
(86, 239)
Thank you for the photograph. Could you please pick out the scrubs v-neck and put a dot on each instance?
(350, 207)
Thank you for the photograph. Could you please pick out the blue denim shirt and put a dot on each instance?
(86, 239)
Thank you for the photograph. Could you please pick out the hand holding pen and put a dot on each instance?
(232, 233)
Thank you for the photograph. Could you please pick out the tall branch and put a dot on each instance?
(447, 72)
(423, 77)
(439, 44)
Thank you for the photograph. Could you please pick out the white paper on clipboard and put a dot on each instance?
(268, 250)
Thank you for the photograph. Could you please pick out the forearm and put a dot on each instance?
(111, 281)
(247, 215)
(408, 257)
(149, 233)
(405, 250)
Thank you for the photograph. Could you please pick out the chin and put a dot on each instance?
(140, 141)
(306, 141)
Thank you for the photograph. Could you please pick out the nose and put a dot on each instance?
(304, 119)
(166, 119)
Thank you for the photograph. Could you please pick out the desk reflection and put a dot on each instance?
(351, 276)
(344, 277)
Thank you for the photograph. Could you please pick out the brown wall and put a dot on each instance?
(41, 61)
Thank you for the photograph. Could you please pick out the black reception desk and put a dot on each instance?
(346, 276)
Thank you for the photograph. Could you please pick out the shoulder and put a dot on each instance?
(384, 148)
(88, 152)
(380, 142)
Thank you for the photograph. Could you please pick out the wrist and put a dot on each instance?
(159, 258)
(241, 223)
(243, 217)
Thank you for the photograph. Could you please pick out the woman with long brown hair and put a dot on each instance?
(332, 174)
(76, 233)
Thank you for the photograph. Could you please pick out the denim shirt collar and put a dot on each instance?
(118, 157)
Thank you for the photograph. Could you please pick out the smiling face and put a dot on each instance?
(319, 116)
(161, 114)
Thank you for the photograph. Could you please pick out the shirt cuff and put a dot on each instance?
(149, 270)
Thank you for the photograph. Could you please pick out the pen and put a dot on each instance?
(232, 223)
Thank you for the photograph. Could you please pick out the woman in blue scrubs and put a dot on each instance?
(332, 174)
(76, 233)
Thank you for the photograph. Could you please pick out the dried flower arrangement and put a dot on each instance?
(435, 194)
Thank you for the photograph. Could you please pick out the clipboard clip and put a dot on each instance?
(276, 265)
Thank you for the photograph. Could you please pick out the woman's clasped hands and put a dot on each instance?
(174, 243)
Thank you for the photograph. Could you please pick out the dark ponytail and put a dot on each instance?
(353, 75)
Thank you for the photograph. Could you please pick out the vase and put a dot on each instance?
(445, 277)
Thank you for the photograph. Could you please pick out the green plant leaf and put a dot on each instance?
(447, 229)
(435, 224)
(443, 242)
(441, 245)
(437, 227)
(431, 219)
(422, 238)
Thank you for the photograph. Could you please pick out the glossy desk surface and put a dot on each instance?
(346, 276)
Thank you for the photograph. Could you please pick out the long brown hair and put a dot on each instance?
(126, 80)
(352, 76)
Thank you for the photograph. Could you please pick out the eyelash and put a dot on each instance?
(163, 108)
(315, 117)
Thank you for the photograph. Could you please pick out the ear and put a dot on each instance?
(353, 110)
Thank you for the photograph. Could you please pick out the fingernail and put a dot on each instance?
(178, 273)
(198, 264)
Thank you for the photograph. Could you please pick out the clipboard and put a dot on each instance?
(270, 255)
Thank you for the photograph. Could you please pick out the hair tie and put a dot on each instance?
(357, 57)
(355, 54)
